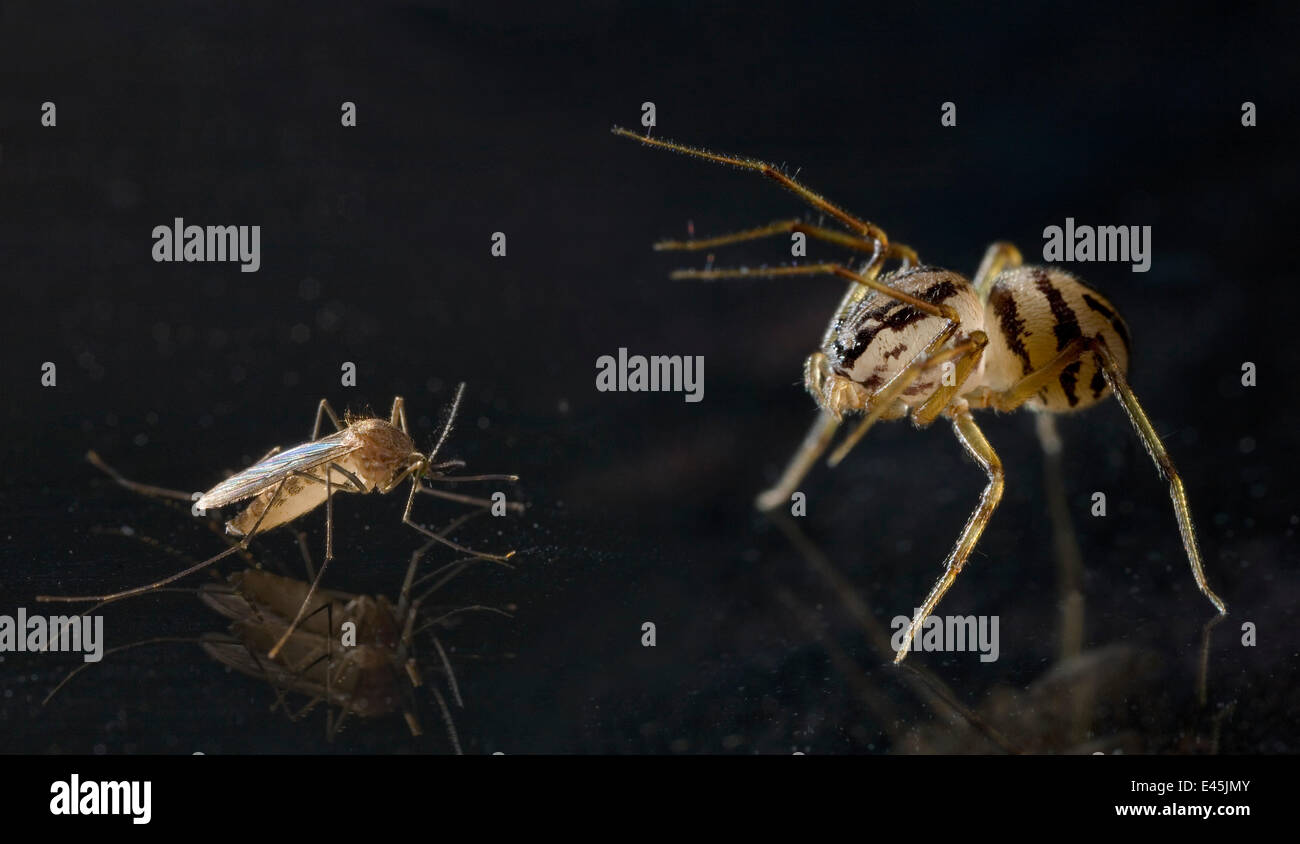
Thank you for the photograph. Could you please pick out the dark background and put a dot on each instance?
(476, 118)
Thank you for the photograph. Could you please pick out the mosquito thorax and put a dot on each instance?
(385, 450)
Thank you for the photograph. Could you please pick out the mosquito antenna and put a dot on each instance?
(74, 672)
(445, 616)
(451, 417)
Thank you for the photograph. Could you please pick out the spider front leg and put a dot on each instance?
(886, 402)
(814, 444)
(883, 403)
(906, 254)
(855, 224)
(972, 438)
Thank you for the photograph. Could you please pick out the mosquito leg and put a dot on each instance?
(281, 693)
(512, 506)
(411, 581)
(357, 485)
(301, 538)
(458, 479)
(972, 438)
(322, 410)
(142, 489)
(398, 415)
(242, 545)
(329, 555)
(446, 717)
(412, 723)
(449, 572)
(406, 520)
(329, 662)
(451, 675)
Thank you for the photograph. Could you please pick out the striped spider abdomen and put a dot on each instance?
(1032, 315)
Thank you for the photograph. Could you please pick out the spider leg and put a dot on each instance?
(997, 257)
(1147, 432)
(884, 400)
(866, 278)
(814, 444)
(1069, 561)
(972, 438)
(1029, 386)
(962, 368)
(861, 227)
(906, 254)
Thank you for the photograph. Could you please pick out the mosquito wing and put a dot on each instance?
(277, 467)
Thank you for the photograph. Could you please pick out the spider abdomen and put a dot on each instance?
(880, 335)
(1031, 315)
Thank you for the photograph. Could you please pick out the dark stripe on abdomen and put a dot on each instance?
(1115, 322)
(1013, 327)
(1066, 329)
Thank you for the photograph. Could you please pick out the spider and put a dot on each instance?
(922, 342)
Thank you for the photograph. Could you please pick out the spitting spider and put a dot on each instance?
(923, 342)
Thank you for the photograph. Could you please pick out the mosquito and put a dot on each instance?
(367, 454)
(922, 342)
